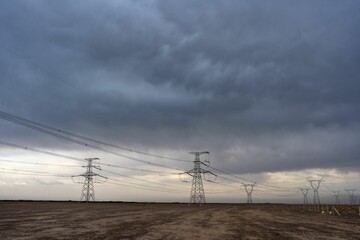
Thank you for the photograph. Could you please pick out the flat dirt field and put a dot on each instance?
(71, 220)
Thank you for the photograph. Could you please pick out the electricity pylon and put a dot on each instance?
(351, 193)
(197, 194)
(315, 184)
(88, 191)
(249, 189)
(305, 193)
(336, 194)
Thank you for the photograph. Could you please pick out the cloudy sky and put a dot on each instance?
(270, 88)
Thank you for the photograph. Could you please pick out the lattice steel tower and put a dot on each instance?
(351, 193)
(336, 194)
(305, 193)
(315, 184)
(249, 189)
(88, 191)
(197, 194)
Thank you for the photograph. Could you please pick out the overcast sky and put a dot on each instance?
(267, 87)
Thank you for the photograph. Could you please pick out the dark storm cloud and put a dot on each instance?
(264, 86)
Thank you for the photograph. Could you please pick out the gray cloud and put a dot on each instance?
(264, 86)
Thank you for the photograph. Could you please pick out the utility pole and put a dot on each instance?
(305, 193)
(336, 194)
(315, 184)
(351, 193)
(88, 191)
(249, 189)
(197, 194)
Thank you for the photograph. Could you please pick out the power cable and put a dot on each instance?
(243, 179)
(136, 169)
(59, 155)
(36, 172)
(39, 151)
(138, 179)
(91, 96)
(142, 188)
(37, 163)
(12, 116)
(79, 159)
(80, 142)
(47, 174)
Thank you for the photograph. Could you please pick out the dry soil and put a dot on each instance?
(71, 220)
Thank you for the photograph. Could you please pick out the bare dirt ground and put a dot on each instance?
(71, 220)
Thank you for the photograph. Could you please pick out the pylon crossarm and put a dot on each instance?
(199, 153)
(206, 165)
(100, 181)
(104, 179)
(79, 182)
(76, 181)
(209, 176)
(88, 174)
(207, 171)
(97, 167)
(183, 177)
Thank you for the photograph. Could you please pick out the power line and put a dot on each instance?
(247, 180)
(36, 172)
(136, 169)
(33, 174)
(41, 125)
(55, 134)
(225, 185)
(37, 163)
(142, 188)
(91, 96)
(110, 165)
(138, 179)
(39, 151)
(77, 159)
(38, 127)
(65, 156)
(46, 174)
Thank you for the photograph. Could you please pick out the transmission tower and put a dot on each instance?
(336, 194)
(351, 193)
(315, 184)
(305, 193)
(88, 191)
(249, 189)
(197, 194)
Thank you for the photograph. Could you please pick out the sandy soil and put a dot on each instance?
(56, 220)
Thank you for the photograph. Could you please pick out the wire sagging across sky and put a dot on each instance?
(53, 132)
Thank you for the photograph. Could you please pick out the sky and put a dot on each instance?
(269, 88)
